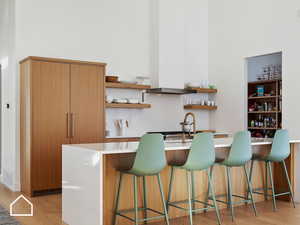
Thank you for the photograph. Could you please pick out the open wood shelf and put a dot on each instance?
(128, 106)
(126, 86)
(203, 90)
(203, 107)
(262, 128)
(264, 112)
(263, 81)
(264, 97)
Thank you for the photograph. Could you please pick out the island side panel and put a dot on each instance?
(81, 186)
(296, 172)
(114, 162)
(280, 181)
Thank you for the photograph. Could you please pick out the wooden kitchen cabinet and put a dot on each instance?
(86, 100)
(61, 102)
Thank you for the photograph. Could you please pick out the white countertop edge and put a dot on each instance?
(130, 147)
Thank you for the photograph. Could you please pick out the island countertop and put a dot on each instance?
(128, 147)
(90, 176)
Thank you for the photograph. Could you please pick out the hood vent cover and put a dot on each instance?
(170, 91)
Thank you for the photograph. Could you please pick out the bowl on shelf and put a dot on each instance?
(133, 101)
(128, 81)
(212, 86)
(143, 80)
(120, 100)
(193, 84)
(113, 79)
(109, 99)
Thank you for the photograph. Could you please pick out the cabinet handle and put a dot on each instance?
(73, 125)
(68, 125)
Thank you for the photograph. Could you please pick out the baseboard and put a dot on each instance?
(14, 187)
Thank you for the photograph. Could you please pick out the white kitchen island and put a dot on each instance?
(90, 177)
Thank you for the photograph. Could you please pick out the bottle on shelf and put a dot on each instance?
(265, 106)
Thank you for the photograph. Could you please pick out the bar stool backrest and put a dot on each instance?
(280, 147)
(150, 156)
(202, 153)
(240, 151)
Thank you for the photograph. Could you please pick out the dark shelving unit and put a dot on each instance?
(264, 112)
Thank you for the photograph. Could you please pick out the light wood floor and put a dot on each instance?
(47, 211)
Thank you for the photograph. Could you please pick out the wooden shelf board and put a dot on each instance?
(264, 97)
(262, 128)
(126, 86)
(203, 90)
(258, 112)
(128, 106)
(263, 81)
(204, 107)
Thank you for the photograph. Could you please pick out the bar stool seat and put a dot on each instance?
(150, 160)
(240, 154)
(280, 150)
(201, 157)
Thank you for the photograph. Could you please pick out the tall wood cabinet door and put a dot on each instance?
(50, 106)
(87, 103)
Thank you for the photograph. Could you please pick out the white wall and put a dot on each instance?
(256, 64)
(240, 29)
(121, 33)
(9, 164)
(181, 56)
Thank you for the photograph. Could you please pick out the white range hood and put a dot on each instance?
(169, 47)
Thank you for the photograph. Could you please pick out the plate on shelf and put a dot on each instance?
(128, 81)
(120, 100)
(133, 101)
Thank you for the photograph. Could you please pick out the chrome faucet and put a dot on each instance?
(186, 123)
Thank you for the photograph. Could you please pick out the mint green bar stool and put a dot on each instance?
(240, 153)
(150, 160)
(280, 150)
(201, 157)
